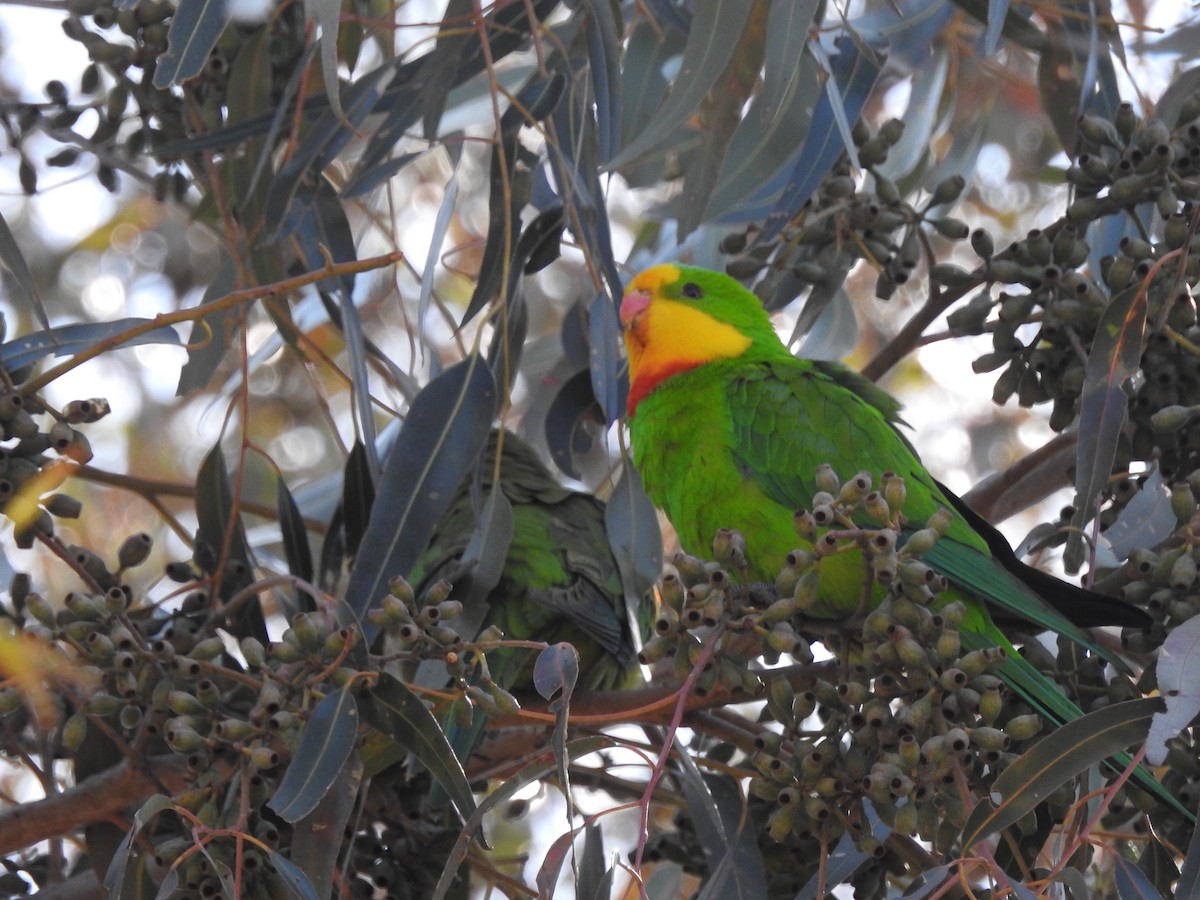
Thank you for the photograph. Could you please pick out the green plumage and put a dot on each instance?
(559, 580)
(735, 441)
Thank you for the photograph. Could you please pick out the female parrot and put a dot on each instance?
(729, 428)
(558, 582)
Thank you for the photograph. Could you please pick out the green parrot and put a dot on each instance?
(559, 580)
(728, 429)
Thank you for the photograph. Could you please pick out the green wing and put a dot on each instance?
(789, 416)
(559, 580)
(825, 413)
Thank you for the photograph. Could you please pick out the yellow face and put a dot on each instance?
(664, 336)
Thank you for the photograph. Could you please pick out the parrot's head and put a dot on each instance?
(679, 317)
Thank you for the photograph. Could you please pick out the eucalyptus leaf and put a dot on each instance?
(395, 711)
(14, 260)
(196, 26)
(66, 340)
(1055, 759)
(326, 742)
(221, 541)
(442, 436)
(295, 542)
(710, 45)
(1114, 357)
(1177, 665)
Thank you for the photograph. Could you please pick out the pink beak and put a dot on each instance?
(633, 305)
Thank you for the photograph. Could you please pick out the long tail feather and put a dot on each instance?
(1047, 699)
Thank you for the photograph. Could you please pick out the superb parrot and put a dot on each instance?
(728, 429)
(559, 580)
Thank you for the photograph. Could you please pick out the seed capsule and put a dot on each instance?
(63, 506)
(817, 808)
(921, 542)
(957, 740)
(85, 606)
(729, 548)
(234, 730)
(1171, 418)
(781, 637)
(183, 738)
(74, 731)
(1131, 189)
(890, 497)
(912, 654)
(40, 609)
(853, 693)
(263, 758)
(953, 276)
(804, 705)
(690, 568)
(130, 716)
(780, 697)
(309, 630)
(780, 823)
(208, 649)
(253, 651)
(855, 489)
(880, 511)
(1099, 131)
(733, 244)
(99, 645)
(134, 550)
(655, 649)
(989, 738)
(183, 703)
(990, 705)
(1125, 120)
(915, 572)
(671, 591)
(805, 524)
(116, 599)
(1183, 573)
(935, 753)
(401, 590)
(826, 479)
(950, 228)
(948, 190)
(948, 646)
(1022, 728)
(885, 568)
(979, 661)
(807, 590)
(86, 411)
(873, 152)
(1176, 231)
(506, 703)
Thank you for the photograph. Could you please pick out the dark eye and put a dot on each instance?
(692, 291)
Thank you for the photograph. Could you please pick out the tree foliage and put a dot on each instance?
(377, 230)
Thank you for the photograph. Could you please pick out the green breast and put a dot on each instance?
(681, 435)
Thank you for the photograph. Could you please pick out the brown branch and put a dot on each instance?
(229, 301)
(940, 300)
(910, 334)
(102, 797)
(1028, 481)
(511, 741)
(654, 704)
(729, 728)
(152, 487)
(84, 885)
